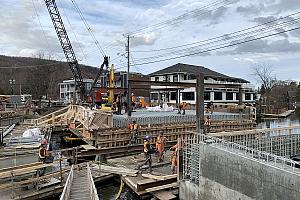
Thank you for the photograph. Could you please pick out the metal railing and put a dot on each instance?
(191, 155)
(66, 192)
(93, 189)
(283, 141)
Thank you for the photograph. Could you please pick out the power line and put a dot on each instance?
(218, 37)
(186, 16)
(218, 48)
(232, 37)
(29, 66)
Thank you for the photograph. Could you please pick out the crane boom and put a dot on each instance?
(66, 45)
(105, 63)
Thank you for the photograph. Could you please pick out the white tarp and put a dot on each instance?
(164, 108)
(32, 133)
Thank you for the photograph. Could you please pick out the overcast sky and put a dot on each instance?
(26, 29)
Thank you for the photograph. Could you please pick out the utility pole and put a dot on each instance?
(128, 76)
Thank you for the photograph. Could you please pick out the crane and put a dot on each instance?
(68, 49)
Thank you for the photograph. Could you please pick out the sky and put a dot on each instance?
(26, 30)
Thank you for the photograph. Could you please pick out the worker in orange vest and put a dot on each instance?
(174, 161)
(184, 106)
(43, 151)
(207, 125)
(147, 151)
(133, 129)
(160, 146)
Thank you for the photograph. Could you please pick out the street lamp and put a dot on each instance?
(12, 82)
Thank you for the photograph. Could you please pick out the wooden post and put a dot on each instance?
(53, 118)
(200, 103)
(61, 177)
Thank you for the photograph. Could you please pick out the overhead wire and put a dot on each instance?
(218, 37)
(29, 66)
(274, 27)
(43, 31)
(186, 16)
(72, 30)
(89, 29)
(217, 48)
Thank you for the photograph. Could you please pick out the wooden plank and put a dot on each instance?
(88, 147)
(162, 178)
(22, 171)
(117, 170)
(20, 166)
(163, 195)
(162, 187)
(129, 182)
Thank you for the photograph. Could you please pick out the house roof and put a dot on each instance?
(193, 69)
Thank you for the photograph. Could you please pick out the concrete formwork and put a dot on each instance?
(212, 172)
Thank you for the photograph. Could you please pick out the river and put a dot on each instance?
(292, 120)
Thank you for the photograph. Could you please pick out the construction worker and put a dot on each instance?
(119, 105)
(43, 151)
(133, 129)
(209, 107)
(174, 158)
(147, 151)
(207, 125)
(184, 106)
(179, 108)
(160, 145)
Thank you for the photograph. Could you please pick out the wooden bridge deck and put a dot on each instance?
(80, 189)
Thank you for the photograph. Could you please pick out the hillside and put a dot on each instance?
(40, 80)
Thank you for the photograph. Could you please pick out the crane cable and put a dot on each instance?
(120, 189)
(89, 29)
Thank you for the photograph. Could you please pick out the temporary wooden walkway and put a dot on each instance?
(80, 185)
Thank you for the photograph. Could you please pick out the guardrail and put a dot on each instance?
(93, 190)
(66, 192)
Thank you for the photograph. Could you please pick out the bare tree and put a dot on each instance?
(43, 55)
(264, 75)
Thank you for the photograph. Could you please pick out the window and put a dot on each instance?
(167, 78)
(188, 96)
(218, 96)
(206, 96)
(175, 78)
(154, 96)
(186, 77)
(248, 96)
(156, 78)
(192, 77)
(237, 96)
(229, 95)
(173, 96)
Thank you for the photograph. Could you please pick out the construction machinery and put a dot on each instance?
(69, 52)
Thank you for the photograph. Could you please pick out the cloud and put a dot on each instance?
(144, 39)
(265, 46)
(22, 34)
(250, 9)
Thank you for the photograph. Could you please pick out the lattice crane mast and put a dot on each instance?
(66, 45)
(68, 50)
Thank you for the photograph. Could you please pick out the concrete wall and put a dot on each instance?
(226, 175)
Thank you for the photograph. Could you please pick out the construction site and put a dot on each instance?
(183, 132)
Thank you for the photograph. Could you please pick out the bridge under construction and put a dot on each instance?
(97, 150)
